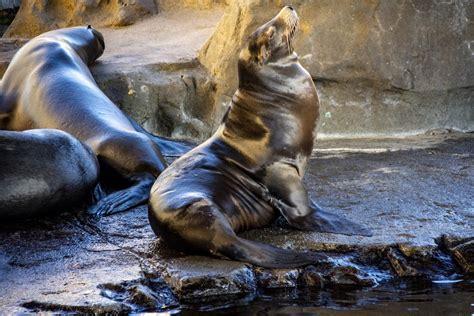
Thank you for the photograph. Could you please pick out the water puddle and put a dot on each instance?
(405, 297)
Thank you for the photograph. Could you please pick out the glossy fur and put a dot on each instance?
(48, 85)
(250, 171)
(44, 171)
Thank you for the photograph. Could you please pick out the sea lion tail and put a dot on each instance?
(268, 256)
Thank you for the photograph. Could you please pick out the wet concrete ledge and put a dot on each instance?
(415, 194)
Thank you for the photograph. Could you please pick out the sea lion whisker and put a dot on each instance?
(288, 44)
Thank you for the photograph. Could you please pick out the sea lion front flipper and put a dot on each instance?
(290, 197)
(122, 200)
(325, 222)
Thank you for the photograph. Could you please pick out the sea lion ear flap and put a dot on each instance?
(263, 55)
(264, 52)
(259, 47)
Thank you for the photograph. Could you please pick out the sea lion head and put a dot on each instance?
(272, 41)
(276, 107)
(85, 40)
(99, 40)
(92, 43)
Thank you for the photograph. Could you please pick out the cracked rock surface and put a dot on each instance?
(415, 194)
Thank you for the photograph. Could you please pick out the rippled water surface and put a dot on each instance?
(415, 297)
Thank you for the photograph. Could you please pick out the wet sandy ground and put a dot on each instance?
(409, 191)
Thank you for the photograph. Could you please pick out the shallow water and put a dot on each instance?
(408, 297)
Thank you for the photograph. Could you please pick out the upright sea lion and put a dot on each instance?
(43, 171)
(48, 85)
(251, 169)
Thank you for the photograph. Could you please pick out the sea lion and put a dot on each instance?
(44, 171)
(250, 171)
(48, 85)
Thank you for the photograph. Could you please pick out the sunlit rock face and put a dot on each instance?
(382, 67)
(38, 16)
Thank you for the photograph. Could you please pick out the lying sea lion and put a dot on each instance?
(250, 171)
(48, 85)
(43, 171)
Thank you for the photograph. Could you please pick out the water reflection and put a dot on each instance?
(406, 297)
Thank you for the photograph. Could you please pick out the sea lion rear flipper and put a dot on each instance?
(171, 147)
(201, 225)
(168, 147)
(325, 222)
(268, 256)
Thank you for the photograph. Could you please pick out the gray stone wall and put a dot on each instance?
(382, 67)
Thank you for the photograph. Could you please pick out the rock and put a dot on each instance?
(174, 102)
(310, 277)
(400, 264)
(8, 10)
(200, 277)
(348, 276)
(35, 306)
(409, 261)
(8, 48)
(166, 5)
(462, 249)
(38, 16)
(464, 255)
(374, 80)
(276, 278)
(374, 74)
(150, 70)
(343, 41)
(145, 294)
(408, 193)
(169, 92)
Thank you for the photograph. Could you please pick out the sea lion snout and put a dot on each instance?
(289, 15)
(291, 19)
(288, 10)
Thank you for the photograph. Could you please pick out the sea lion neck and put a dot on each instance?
(270, 77)
(275, 85)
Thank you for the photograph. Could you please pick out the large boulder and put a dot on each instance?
(381, 66)
(38, 16)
